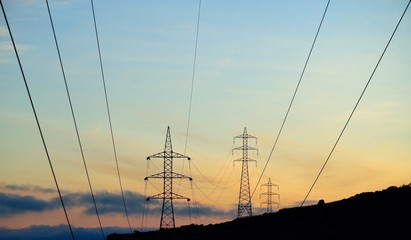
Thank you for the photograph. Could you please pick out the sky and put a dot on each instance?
(249, 58)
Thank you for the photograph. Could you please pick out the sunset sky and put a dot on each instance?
(250, 55)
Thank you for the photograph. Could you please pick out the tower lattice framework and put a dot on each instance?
(269, 203)
(167, 212)
(244, 199)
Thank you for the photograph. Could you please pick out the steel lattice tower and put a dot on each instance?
(167, 212)
(269, 195)
(244, 199)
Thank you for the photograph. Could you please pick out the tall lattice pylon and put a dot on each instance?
(244, 199)
(269, 203)
(167, 212)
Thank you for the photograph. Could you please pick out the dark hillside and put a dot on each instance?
(382, 214)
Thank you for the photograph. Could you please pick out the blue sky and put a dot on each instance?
(249, 58)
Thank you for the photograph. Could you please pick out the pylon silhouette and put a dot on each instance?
(269, 195)
(167, 211)
(244, 199)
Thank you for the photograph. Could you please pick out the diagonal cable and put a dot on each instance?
(292, 99)
(192, 86)
(193, 76)
(38, 122)
(74, 120)
(356, 105)
(109, 117)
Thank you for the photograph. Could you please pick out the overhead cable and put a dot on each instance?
(192, 86)
(109, 116)
(292, 99)
(356, 104)
(37, 122)
(74, 120)
(193, 75)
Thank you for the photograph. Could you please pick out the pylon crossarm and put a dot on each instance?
(246, 135)
(245, 159)
(157, 196)
(242, 148)
(157, 155)
(261, 204)
(164, 155)
(157, 175)
(270, 185)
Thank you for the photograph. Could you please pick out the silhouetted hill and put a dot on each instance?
(382, 215)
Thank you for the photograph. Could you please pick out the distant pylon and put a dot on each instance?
(269, 195)
(167, 211)
(244, 199)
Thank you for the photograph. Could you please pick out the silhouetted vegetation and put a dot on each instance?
(382, 215)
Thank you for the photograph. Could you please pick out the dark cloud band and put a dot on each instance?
(12, 204)
(107, 203)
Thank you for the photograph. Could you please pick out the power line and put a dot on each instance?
(109, 116)
(192, 86)
(193, 75)
(74, 120)
(213, 179)
(195, 203)
(356, 105)
(38, 122)
(292, 99)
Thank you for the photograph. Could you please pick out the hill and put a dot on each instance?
(380, 214)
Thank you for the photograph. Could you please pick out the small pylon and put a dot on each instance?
(269, 195)
(167, 212)
(244, 199)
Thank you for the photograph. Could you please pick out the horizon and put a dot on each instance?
(59, 231)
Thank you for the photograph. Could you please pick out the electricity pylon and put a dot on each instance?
(167, 211)
(244, 199)
(269, 195)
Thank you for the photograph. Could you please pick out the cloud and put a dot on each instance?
(7, 47)
(37, 232)
(26, 188)
(12, 204)
(108, 203)
(6, 44)
(3, 32)
(306, 203)
(61, 232)
(203, 210)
